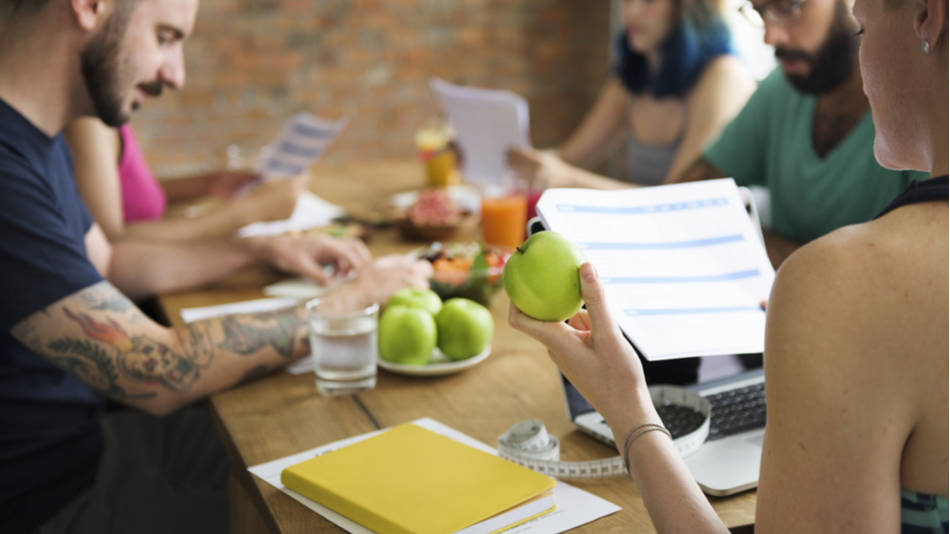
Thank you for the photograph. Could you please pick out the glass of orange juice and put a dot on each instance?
(503, 219)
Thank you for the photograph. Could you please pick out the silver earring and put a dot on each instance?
(925, 46)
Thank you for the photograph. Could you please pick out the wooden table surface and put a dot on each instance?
(283, 414)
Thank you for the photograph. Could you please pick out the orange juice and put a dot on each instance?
(503, 220)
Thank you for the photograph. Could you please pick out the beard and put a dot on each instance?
(832, 63)
(101, 69)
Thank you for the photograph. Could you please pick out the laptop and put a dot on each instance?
(728, 461)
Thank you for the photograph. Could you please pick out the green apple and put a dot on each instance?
(542, 278)
(407, 335)
(465, 328)
(416, 298)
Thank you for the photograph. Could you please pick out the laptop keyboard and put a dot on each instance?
(736, 410)
(679, 420)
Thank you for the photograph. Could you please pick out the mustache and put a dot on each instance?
(787, 53)
(152, 88)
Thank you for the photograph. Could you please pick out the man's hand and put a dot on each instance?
(307, 255)
(376, 282)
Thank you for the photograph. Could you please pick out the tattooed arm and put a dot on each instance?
(98, 335)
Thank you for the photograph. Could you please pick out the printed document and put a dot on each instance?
(487, 123)
(683, 266)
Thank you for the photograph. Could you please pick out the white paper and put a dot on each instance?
(487, 123)
(302, 140)
(683, 266)
(190, 315)
(311, 211)
(575, 507)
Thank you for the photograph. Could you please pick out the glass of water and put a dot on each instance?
(343, 347)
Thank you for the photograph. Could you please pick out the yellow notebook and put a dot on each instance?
(414, 481)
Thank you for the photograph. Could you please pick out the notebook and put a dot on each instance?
(411, 480)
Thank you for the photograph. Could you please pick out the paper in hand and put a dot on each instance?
(487, 123)
(302, 140)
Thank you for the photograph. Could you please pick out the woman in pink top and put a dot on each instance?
(128, 202)
(143, 198)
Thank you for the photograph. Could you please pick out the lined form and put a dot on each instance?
(683, 265)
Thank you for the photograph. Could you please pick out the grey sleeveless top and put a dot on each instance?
(648, 164)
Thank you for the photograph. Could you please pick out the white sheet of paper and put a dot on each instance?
(683, 266)
(311, 211)
(575, 507)
(487, 123)
(302, 140)
(190, 315)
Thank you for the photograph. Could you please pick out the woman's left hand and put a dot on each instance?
(592, 353)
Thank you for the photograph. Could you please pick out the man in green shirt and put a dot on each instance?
(806, 133)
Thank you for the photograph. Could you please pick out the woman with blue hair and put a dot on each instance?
(675, 85)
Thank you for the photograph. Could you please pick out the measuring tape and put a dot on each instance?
(528, 443)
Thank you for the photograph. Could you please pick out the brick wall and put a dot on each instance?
(253, 63)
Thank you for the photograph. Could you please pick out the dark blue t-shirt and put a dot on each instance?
(49, 420)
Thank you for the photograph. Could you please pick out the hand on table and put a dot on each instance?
(591, 352)
(225, 184)
(306, 255)
(540, 168)
(377, 281)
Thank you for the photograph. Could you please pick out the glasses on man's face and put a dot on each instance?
(778, 12)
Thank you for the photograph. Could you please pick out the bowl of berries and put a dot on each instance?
(468, 270)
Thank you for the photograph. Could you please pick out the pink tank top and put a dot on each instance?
(142, 197)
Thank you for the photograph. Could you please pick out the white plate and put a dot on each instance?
(467, 197)
(439, 365)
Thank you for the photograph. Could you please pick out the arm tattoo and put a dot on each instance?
(146, 360)
(109, 350)
(112, 301)
(247, 334)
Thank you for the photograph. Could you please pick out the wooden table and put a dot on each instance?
(283, 414)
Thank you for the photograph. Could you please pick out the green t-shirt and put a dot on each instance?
(770, 144)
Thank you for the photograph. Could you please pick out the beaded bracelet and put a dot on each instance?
(635, 433)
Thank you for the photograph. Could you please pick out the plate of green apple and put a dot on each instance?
(420, 335)
(437, 366)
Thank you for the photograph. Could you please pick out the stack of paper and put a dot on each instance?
(487, 123)
(683, 266)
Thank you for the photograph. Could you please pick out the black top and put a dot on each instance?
(932, 190)
(49, 419)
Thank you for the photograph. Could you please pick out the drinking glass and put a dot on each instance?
(343, 347)
(503, 220)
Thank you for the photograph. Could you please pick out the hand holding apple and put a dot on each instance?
(541, 277)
